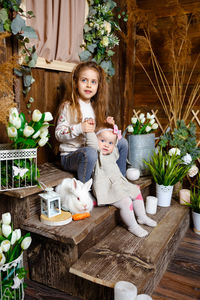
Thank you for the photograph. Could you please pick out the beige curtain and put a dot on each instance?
(59, 26)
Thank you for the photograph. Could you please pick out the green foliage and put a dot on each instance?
(165, 169)
(17, 27)
(99, 37)
(184, 138)
(195, 196)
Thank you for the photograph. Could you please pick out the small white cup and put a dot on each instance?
(151, 205)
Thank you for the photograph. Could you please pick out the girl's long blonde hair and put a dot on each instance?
(98, 101)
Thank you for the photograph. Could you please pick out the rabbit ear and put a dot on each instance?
(88, 184)
(74, 184)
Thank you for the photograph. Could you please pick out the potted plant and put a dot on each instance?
(141, 141)
(12, 272)
(195, 204)
(167, 168)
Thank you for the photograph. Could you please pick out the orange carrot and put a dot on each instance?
(82, 216)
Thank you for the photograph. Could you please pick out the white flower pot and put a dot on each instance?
(196, 222)
(164, 194)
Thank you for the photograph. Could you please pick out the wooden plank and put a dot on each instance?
(72, 233)
(123, 256)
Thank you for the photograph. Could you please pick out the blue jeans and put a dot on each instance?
(83, 160)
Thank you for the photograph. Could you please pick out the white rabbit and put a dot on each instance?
(75, 195)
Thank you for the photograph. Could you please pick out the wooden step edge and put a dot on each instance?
(148, 260)
(74, 232)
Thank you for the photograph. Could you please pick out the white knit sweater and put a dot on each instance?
(70, 136)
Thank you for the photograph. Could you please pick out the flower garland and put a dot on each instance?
(99, 37)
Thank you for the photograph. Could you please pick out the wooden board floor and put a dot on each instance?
(181, 281)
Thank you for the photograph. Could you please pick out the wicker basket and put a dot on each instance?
(18, 168)
(8, 273)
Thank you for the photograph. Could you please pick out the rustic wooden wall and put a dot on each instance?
(51, 87)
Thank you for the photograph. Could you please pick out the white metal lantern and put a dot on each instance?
(50, 203)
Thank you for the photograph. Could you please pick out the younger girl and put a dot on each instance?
(111, 187)
(88, 102)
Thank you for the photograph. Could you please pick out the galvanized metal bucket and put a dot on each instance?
(140, 148)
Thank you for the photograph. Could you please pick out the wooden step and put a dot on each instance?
(123, 256)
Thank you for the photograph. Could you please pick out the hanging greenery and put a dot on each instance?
(12, 21)
(99, 37)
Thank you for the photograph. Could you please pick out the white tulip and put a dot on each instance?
(154, 126)
(152, 116)
(6, 230)
(134, 120)
(187, 159)
(45, 125)
(142, 120)
(28, 131)
(193, 171)
(141, 116)
(130, 128)
(13, 238)
(6, 218)
(36, 116)
(35, 136)
(148, 116)
(18, 233)
(148, 128)
(26, 242)
(43, 141)
(12, 132)
(48, 117)
(1, 250)
(152, 121)
(2, 259)
(16, 121)
(44, 132)
(175, 151)
(5, 245)
(14, 112)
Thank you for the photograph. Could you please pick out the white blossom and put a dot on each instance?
(26, 242)
(142, 120)
(12, 132)
(148, 116)
(13, 238)
(35, 136)
(187, 159)
(18, 233)
(154, 126)
(48, 117)
(5, 245)
(105, 41)
(152, 121)
(43, 141)
(28, 131)
(107, 26)
(6, 218)
(2, 259)
(6, 230)
(141, 116)
(148, 128)
(36, 116)
(44, 132)
(134, 120)
(130, 128)
(175, 151)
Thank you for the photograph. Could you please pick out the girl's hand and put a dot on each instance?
(110, 120)
(88, 126)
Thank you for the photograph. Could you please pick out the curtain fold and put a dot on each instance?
(59, 26)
